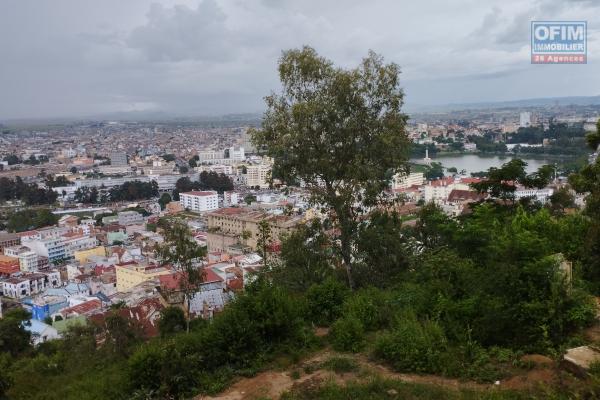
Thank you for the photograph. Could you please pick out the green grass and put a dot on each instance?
(340, 364)
(390, 389)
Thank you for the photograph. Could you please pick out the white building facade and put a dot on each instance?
(199, 201)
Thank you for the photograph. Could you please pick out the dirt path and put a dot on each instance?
(272, 384)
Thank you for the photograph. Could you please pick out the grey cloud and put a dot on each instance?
(83, 57)
(182, 33)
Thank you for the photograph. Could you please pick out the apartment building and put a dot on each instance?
(199, 201)
(28, 260)
(30, 284)
(230, 198)
(8, 239)
(228, 156)
(58, 244)
(405, 181)
(228, 226)
(132, 274)
(126, 218)
(258, 175)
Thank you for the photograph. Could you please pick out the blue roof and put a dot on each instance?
(70, 289)
(103, 298)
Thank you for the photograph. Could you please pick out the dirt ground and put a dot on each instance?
(272, 384)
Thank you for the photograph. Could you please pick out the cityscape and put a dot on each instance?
(323, 235)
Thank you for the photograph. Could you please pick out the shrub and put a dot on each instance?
(172, 320)
(347, 334)
(370, 306)
(413, 346)
(325, 301)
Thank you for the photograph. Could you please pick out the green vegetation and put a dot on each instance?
(29, 193)
(52, 182)
(168, 157)
(341, 364)
(487, 143)
(347, 334)
(165, 199)
(26, 220)
(501, 182)
(87, 195)
(380, 389)
(181, 251)
(209, 180)
(347, 133)
(434, 171)
(134, 190)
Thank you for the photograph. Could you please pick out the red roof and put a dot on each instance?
(210, 276)
(172, 281)
(235, 284)
(470, 180)
(27, 233)
(9, 269)
(198, 193)
(228, 211)
(445, 181)
(465, 195)
(143, 316)
(72, 234)
(82, 308)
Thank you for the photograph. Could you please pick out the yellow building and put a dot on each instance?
(228, 226)
(130, 275)
(82, 255)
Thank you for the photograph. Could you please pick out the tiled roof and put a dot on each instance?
(83, 308)
(199, 193)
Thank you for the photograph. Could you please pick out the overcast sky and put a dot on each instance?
(62, 58)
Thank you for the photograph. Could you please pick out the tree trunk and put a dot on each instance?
(346, 249)
(187, 316)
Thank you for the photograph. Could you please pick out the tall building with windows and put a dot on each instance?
(404, 181)
(228, 156)
(118, 159)
(199, 201)
(525, 120)
(258, 175)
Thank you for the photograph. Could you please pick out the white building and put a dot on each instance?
(28, 260)
(30, 284)
(540, 195)
(525, 120)
(218, 168)
(130, 218)
(258, 175)
(227, 156)
(439, 190)
(230, 198)
(58, 243)
(199, 201)
(470, 146)
(403, 181)
(75, 243)
(53, 248)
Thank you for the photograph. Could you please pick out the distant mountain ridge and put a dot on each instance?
(254, 118)
(535, 102)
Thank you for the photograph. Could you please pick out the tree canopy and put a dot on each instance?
(340, 131)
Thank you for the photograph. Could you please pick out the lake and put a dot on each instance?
(478, 162)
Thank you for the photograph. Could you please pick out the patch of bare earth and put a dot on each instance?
(272, 385)
(264, 385)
